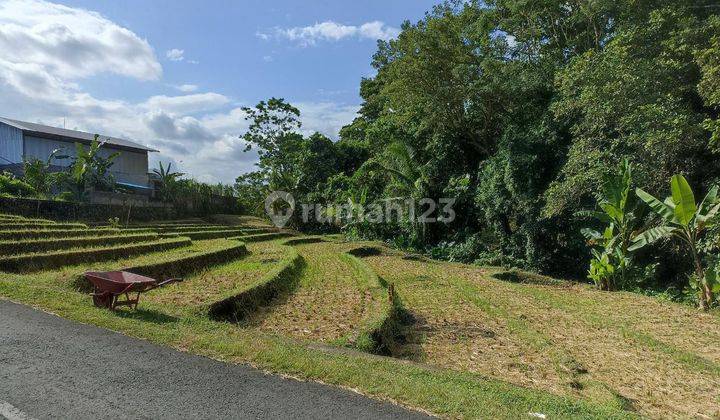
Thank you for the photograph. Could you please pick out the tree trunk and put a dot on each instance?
(706, 294)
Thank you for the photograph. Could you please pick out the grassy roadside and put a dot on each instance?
(161, 320)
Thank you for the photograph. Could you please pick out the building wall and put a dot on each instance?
(131, 167)
(11, 145)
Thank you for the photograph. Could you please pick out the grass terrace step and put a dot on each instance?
(29, 246)
(255, 230)
(264, 236)
(18, 218)
(196, 228)
(37, 262)
(41, 226)
(10, 235)
(191, 263)
(178, 262)
(202, 235)
(24, 220)
(172, 223)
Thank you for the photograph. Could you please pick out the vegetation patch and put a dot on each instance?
(305, 240)
(383, 330)
(525, 277)
(203, 235)
(265, 236)
(183, 266)
(41, 226)
(365, 251)
(37, 262)
(280, 280)
(38, 245)
(7, 235)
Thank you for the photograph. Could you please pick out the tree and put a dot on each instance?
(37, 173)
(168, 181)
(89, 169)
(636, 98)
(682, 218)
(272, 132)
(252, 189)
(612, 262)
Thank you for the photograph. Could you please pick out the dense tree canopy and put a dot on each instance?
(518, 109)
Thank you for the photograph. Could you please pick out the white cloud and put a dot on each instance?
(187, 88)
(325, 117)
(175, 54)
(72, 43)
(199, 131)
(186, 104)
(333, 31)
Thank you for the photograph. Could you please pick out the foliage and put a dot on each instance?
(89, 169)
(519, 110)
(168, 181)
(11, 186)
(612, 264)
(38, 174)
(251, 190)
(114, 222)
(681, 217)
(272, 133)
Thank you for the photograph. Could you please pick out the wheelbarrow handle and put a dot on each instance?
(168, 281)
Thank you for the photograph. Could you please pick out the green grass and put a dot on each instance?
(42, 261)
(236, 304)
(173, 316)
(467, 341)
(39, 245)
(202, 234)
(6, 235)
(41, 226)
(263, 236)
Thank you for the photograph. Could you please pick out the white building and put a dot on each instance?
(19, 139)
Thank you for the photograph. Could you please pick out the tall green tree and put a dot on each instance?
(273, 134)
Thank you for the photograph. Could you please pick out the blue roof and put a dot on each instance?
(140, 187)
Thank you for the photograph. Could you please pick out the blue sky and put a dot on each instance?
(173, 74)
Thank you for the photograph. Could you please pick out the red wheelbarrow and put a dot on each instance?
(108, 286)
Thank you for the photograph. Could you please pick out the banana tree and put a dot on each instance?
(612, 254)
(38, 173)
(168, 181)
(89, 169)
(682, 218)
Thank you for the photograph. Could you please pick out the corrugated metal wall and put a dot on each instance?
(129, 167)
(11, 145)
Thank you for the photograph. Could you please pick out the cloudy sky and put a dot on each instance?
(174, 74)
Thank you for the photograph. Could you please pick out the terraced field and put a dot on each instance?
(462, 341)
(31, 245)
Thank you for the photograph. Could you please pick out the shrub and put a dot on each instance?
(14, 187)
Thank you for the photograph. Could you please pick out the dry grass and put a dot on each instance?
(330, 302)
(659, 358)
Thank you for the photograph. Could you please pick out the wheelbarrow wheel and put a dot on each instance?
(102, 301)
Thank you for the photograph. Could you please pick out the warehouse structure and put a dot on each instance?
(24, 140)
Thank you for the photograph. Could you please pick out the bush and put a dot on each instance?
(14, 187)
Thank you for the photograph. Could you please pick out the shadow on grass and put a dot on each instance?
(524, 277)
(256, 317)
(146, 315)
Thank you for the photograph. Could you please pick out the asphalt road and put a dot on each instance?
(54, 368)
